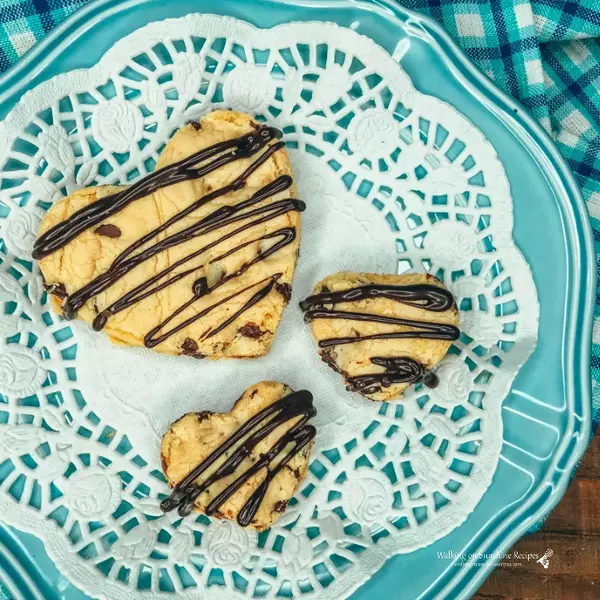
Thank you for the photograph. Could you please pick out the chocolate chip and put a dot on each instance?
(431, 380)
(251, 330)
(285, 289)
(202, 416)
(56, 289)
(280, 506)
(200, 287)
(297, 473)
(196, 125)
(108, 230)
(189, 346)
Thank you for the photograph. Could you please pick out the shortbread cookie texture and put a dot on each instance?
(197, 258)
(244, 465)
(382, 333)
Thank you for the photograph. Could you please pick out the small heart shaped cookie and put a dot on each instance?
(382, 332)
(244, 465)
(196, 258)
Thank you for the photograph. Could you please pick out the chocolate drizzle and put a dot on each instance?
(429, 297)
(243, 147)
(396, 369)
(419, 329)
(56, 289)
(249, 213)
(297, 405)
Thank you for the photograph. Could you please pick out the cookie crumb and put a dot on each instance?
(108, 230)
(251, 330)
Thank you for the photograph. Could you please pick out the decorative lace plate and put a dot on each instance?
(394, 180)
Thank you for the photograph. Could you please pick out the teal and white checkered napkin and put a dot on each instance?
(545, 53)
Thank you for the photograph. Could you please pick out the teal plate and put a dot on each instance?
(546, 414)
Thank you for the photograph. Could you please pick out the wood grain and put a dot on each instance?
(573, 532)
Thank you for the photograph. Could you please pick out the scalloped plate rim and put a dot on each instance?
(578, 347)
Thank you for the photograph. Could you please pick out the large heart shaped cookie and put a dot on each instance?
(382, 332)
(196, 258)
(244, 465)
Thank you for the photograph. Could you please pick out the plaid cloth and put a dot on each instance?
(545, 53)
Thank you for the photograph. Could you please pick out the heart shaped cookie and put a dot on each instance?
(196, 258)
(244, 465)
(382, 332)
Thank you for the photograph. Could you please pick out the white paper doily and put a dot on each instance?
(394, 180)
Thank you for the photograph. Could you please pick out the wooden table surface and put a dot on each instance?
(573, 532)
